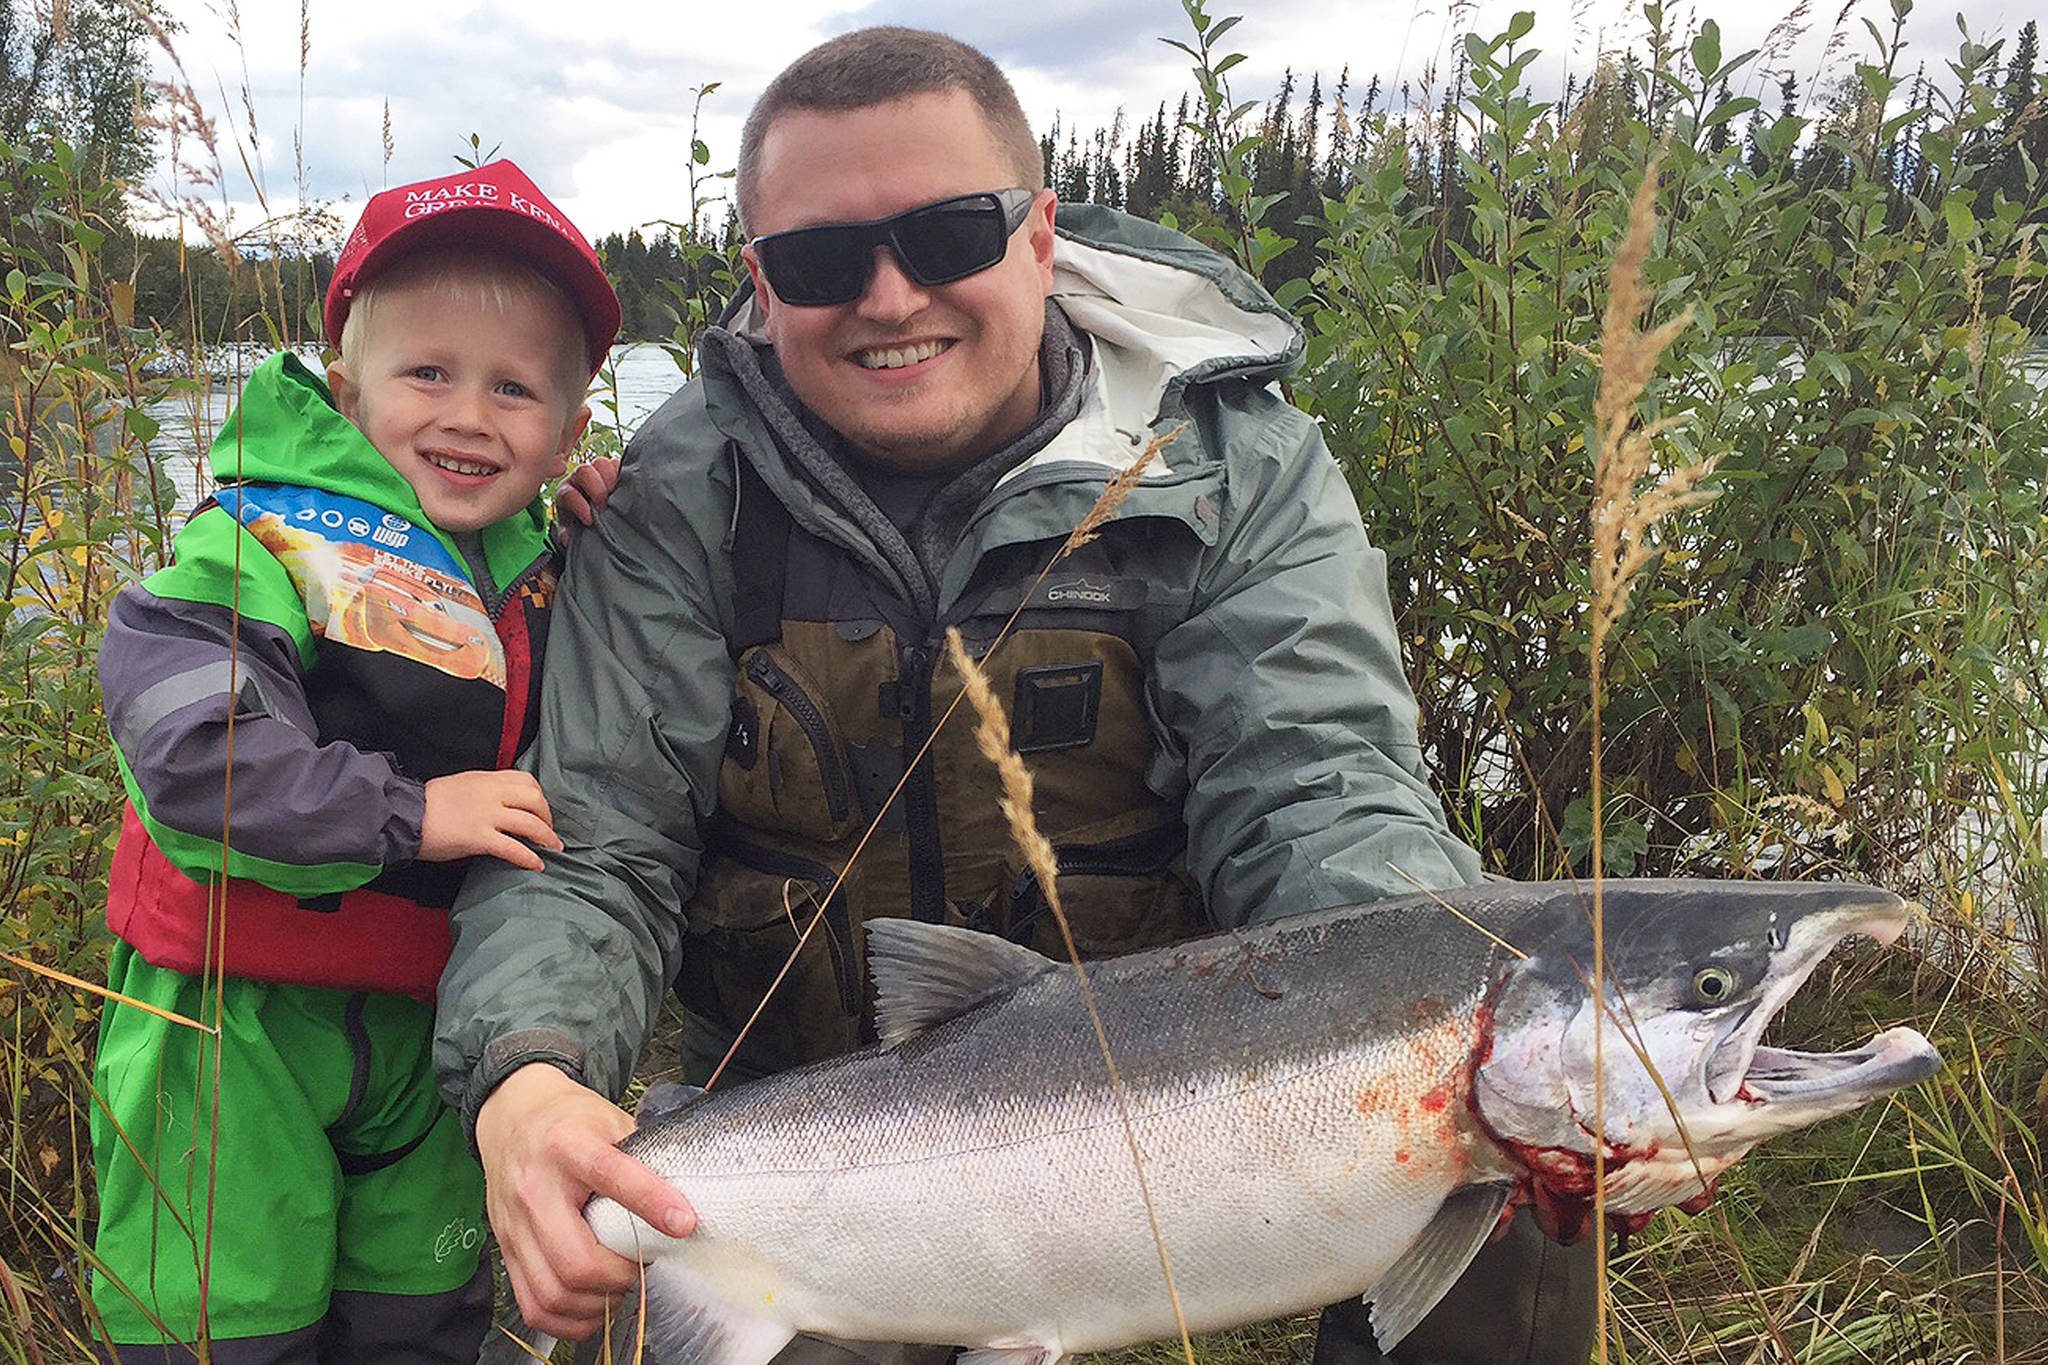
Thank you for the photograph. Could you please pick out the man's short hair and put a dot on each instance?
(486, 275)
(871, 66)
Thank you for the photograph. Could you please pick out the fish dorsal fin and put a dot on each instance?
(925, 974)
(1434, 1261)
(687, 1324)
(665, 1099)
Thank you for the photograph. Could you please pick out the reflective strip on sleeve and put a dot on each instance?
(163, 699)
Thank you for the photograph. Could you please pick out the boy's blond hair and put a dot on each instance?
(484, 276)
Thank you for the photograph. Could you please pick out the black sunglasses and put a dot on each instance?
(935, 244)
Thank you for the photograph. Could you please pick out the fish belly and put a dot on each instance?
(1271, 1195)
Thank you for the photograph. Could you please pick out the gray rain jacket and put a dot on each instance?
(1283, 722)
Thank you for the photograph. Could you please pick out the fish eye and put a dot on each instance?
(1713, 985)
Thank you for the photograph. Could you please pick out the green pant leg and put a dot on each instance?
(412, 1207)
(410, 1283)
(265, 1172)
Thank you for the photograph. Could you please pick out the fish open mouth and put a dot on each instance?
(1895, 1058)
(1740, 1070)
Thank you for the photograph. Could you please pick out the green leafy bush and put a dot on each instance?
(1832, 653)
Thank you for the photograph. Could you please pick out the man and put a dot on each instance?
(925, 390)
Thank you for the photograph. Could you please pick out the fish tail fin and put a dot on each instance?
(687, 1324)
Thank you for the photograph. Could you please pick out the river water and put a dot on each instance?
(639, 377)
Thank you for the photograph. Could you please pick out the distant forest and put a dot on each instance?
(1312, 142)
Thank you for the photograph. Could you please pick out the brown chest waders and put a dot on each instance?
(838, 687)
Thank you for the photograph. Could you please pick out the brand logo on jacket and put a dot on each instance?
(1082, 590)
(459, 1235)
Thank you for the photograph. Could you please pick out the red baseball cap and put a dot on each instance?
(493, 205)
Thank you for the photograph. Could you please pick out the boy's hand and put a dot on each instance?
(487, 813)
(584, 493)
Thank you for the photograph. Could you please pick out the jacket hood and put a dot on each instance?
(287, 430)
(1163, 311)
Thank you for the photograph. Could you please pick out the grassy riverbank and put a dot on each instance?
(1835, 668)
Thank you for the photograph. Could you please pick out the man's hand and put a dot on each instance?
(547, 1146)
(581, 496)
(486, 812)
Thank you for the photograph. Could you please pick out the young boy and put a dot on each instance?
(335, 670)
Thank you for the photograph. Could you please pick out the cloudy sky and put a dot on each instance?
(595, 102)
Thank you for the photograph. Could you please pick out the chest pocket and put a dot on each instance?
(785, 753)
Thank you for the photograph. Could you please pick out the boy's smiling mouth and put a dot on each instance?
(455, 464)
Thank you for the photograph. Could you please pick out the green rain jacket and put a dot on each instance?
(1283, 722)
(319, 636)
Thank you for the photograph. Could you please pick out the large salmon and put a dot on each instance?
(1328, 1105)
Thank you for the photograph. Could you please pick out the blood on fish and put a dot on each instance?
(1699, 1202)
(1559, 1182)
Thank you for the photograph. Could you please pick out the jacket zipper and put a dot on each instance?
(519, 580)
(792, 699)
(920, 796)
(1137, 856)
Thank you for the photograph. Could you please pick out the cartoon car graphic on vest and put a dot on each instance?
(368, 598)
(396, 613)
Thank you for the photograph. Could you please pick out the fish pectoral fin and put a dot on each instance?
(1434, 1261)
(925, 974)
(1010, 1355)
(688, 1326)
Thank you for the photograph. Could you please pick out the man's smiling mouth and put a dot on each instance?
(897, 357)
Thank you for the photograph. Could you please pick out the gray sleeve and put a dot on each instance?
(193, 693)
(568, 965)
(1284, 693)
